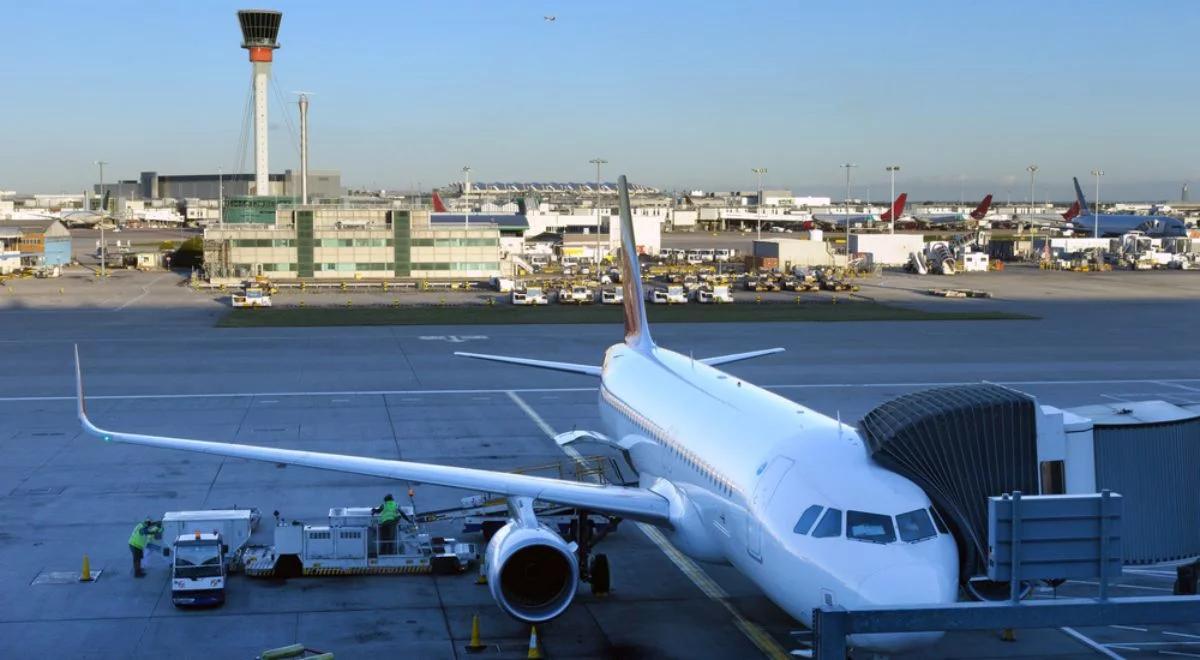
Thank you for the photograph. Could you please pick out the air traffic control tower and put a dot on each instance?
(260, 28)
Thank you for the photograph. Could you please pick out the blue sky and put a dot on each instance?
(962, 95)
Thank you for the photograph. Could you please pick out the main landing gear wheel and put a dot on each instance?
(601, 579)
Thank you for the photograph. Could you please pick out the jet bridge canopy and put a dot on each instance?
(962, 445)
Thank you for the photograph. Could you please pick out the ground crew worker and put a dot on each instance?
(138, 540)
(389, 514)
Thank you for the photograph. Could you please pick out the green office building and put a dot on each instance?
(331, 242)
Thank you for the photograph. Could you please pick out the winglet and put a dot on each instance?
(982, 210)
(637, 329)
(79, 400)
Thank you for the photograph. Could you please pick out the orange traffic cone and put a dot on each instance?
(535, 650)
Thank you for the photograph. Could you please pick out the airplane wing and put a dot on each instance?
(738, 357)
(635, 503)
(570, 367)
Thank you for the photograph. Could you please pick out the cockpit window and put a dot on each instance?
(915, 526)
(938, 521)
(807, 519)
(870, 527)
(830, 525)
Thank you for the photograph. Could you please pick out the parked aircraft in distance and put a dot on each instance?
(1105, 224)
(840, 219)
(1051, 220)
(976, 215)
(729, 472)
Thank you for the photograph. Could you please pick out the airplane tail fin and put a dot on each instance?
(1079, 199)
(897, 209)
(438, 205)
(1071, 213)
(637, 329)
(982, 210)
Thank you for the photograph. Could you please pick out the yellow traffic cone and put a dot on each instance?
(85, 572)
(535, 651)
(476, 645)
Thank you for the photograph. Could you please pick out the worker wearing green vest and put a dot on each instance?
(389, 515)
(142, 534)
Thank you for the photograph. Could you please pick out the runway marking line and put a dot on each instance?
(759, 637)
(539, 390)
(1093, 644)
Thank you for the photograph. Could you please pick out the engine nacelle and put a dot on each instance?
(531, 571)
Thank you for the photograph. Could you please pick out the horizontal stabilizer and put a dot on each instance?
(571, 367)
(738, 357)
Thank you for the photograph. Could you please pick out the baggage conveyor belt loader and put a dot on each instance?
(351, 544)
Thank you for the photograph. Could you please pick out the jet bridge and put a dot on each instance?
(961, 444)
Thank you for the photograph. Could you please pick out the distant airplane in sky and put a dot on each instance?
(549, 19)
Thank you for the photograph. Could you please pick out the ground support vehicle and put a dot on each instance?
(714, 295)
(351, 544)
(252, 294)
(671, 295)
(576, 295)
(199, 570)
(205, 546)
(532, 295)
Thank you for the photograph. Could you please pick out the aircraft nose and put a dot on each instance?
(907, 584)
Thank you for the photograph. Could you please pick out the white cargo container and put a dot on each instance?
(233, 525)
(887, 249)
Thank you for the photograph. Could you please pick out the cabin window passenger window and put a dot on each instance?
(807, 519)
(830, 525)
(870, 527)
(915, 526)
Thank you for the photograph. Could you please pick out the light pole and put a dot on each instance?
(466, 170)
(848, 166)
(220, 197)
(758, 200)
(892, 169)
(1096, 218)
(598, 162)
(1032, 169)
(103, 247)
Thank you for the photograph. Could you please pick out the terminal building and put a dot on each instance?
(152, 185)
(271, 236)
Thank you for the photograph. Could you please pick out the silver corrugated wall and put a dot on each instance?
(1156, 467)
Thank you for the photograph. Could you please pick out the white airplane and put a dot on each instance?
(730, 473)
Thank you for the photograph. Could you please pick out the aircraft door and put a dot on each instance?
(768, 481)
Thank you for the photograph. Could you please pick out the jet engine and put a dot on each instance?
(531, 571)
